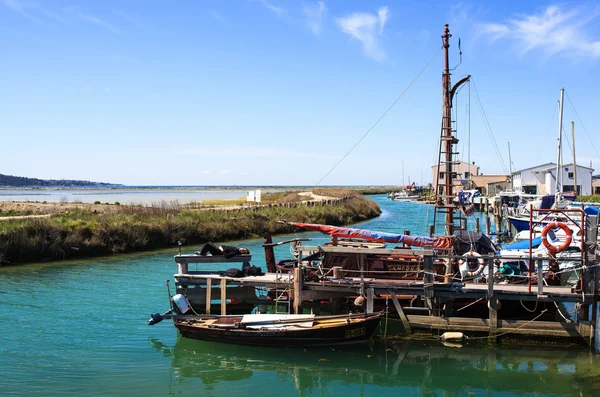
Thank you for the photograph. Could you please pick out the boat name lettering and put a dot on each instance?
(353, 333)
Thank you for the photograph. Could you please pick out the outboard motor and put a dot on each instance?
(180, 304)
(155, 318)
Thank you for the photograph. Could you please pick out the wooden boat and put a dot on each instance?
(280, 330)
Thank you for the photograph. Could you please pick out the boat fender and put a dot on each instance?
(452, 336)
(155, 318)
(359, 301)
(556, 248)
(463, 265)
(180, 304)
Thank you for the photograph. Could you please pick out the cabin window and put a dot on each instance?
(441, 175)
(570, 175)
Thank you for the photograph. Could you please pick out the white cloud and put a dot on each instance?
(217, 16)
(555, 31)
(28, 8)
(223, 172)
(206, 172)
(367, 28)
(314, 16)
(275, 9)
(100, 22)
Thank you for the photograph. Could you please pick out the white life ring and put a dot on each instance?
(463, 265)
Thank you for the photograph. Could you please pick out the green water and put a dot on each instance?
(79, 329)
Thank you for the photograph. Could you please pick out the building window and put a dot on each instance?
(467, 174)
(570, 175)
(441, 175)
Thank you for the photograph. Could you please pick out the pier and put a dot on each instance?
(427, 303)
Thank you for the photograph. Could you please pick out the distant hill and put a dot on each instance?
(19, 181)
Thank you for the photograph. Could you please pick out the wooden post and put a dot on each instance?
(540, 275)
(428, 280)
(223, 296)
(298, 290)
(208, 294)
(370, 300)
(182, 268)
(338, 272)
(431, 230)
(477, 225)
(487, 225)
(492, 301)
(270, 254)
(463, 223)
(361, 265)
(487, 205)
(403, 318)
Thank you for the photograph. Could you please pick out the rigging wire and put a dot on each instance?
(489, 128)
(380, 117)
(582, 126)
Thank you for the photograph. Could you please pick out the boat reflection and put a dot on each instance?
(429, 367)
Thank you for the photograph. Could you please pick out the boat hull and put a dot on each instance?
(351, 333)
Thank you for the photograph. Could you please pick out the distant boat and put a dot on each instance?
(280, 330)
(405, 196)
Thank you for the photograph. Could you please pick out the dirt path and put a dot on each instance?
(5, 218)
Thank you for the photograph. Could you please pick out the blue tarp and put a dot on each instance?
(524, 244)
(592, 210)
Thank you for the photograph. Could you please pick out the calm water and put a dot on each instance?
(123, 196)
(79, 329)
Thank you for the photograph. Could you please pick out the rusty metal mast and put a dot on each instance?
(444, 202)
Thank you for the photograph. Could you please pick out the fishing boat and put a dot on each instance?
(280, 330)
(405, 196)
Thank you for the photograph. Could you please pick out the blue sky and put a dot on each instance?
(275, 92)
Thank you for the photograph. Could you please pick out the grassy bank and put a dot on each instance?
(83, 233)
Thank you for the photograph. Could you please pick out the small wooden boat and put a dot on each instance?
(280, 330)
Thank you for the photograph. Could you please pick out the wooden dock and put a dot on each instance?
(205, 287)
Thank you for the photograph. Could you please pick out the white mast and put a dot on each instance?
(557, 192)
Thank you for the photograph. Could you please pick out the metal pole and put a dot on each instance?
(574, 158)
(558, 155)
(510, 168)
(447, 129)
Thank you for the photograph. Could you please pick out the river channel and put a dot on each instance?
(79, 328)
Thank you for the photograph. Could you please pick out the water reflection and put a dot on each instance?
(427, 368)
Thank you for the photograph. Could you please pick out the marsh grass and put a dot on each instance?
(82, 233)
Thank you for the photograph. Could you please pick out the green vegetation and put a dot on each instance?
(14, 213)
(589, 199)
(82, 233)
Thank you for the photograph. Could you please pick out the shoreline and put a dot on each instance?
(82, 233)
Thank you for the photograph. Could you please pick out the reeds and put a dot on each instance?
(83, 233)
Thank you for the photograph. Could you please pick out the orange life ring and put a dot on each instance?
(557, 248)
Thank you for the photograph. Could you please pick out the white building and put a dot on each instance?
(461, 172)
(541, 179)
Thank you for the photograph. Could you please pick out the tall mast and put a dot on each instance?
(447, 137)
(510, 168)
(574, 158)
(558, 155)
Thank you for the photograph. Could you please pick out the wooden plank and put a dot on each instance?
(403, 318)
(370, 300)
(211, 259)
(377, 251)
(540, 278)
(492, 301)
(223, 297)
(517, 327)
(208, 295)
(428, 290)
(298, 290)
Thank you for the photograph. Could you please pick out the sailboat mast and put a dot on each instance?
(574, 158)
(447, 138)
(510, 168)
(558, 156)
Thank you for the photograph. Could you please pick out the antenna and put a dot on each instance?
(459, 54)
